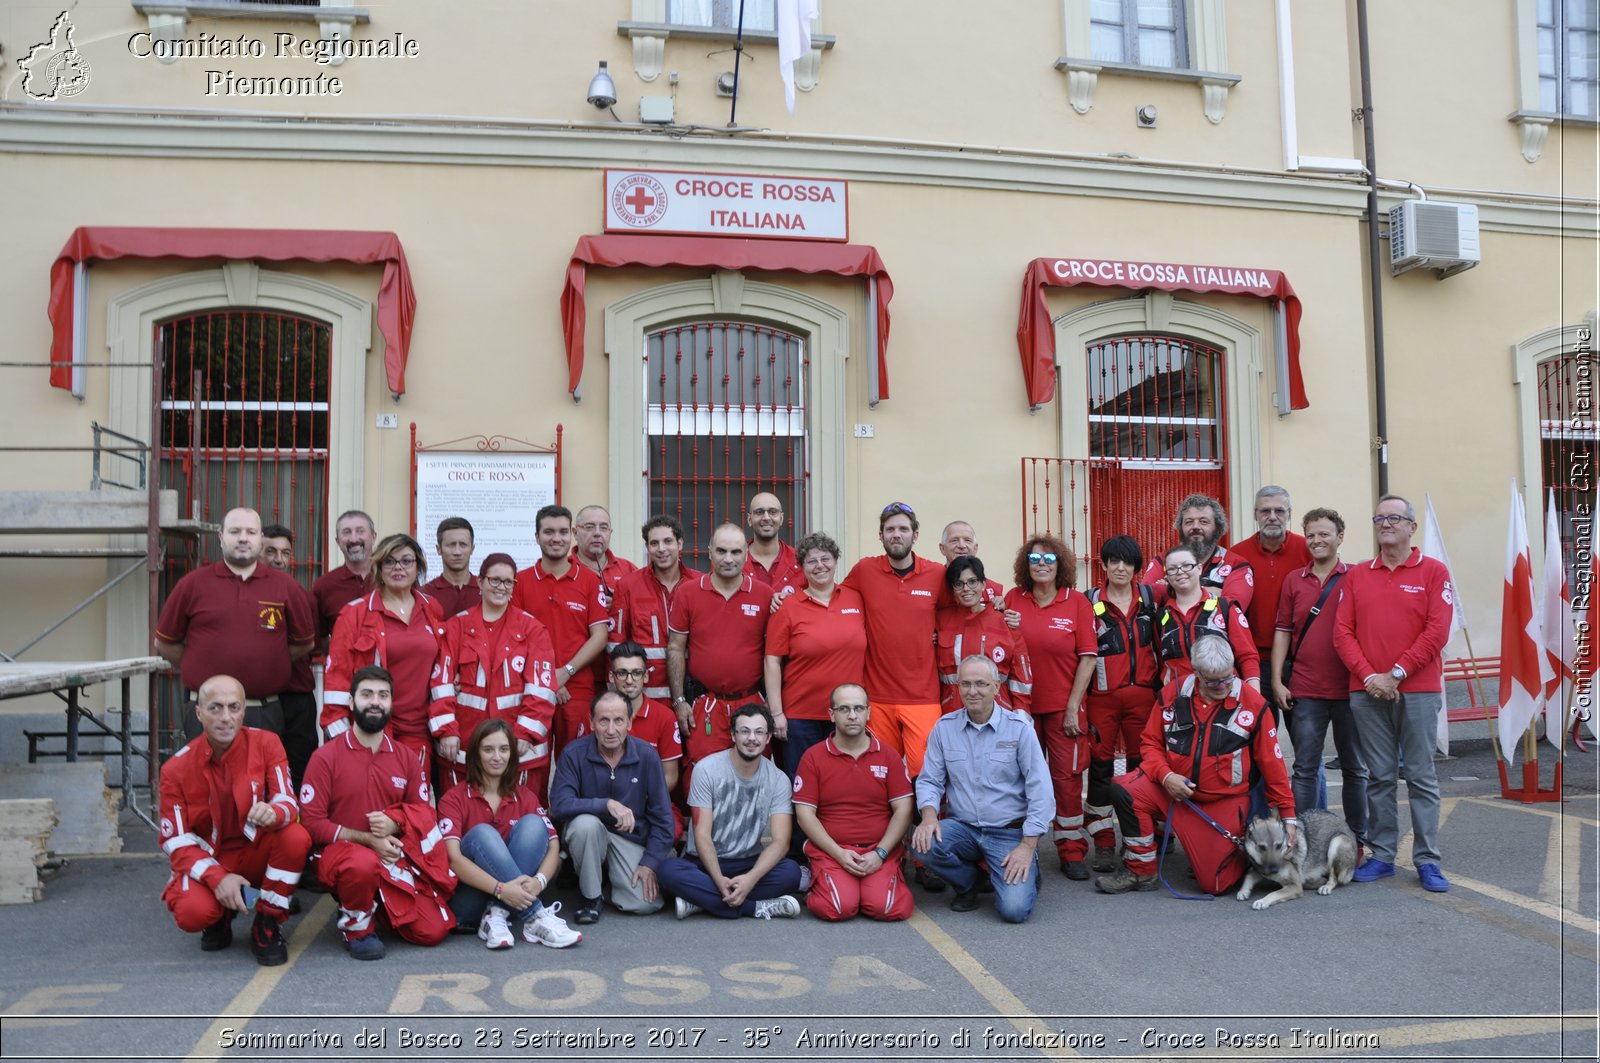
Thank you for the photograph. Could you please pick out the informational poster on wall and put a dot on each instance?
(498, 491)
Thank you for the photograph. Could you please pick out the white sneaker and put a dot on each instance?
(548, 928)
(805, 878)
(492, 929)
(685, 909)
(785, 907)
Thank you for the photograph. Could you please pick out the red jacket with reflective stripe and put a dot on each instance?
(639, 613)
(191, 809)
(509, 678)
(360, 639)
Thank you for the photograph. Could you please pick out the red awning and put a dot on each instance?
(717, 252)
(397, 302)
(1037, 339)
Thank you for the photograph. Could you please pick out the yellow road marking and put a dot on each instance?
(1554, 864)
(1526, 903)
(255, 992)
(1004, 1001)
(1536, 810)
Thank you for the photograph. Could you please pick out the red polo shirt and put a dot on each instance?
(851, 794)
(1058, 637)
(453, 599)
(568, 605)
(727, 636)
(655, 725)
(785, 570)
(612, 575)
(1393, 616)
(333, 591)
(1318, 672)
(1269, 569)
(822, 646)
(230, 625)
(639, 612)
(463, 808)
(900, 621)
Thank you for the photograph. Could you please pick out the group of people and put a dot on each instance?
(667, 730)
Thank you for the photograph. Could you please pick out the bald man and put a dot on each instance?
(238, 617)
(231, 827)
(770, 560)
(960, 540)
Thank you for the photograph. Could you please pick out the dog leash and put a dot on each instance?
(1166, 834)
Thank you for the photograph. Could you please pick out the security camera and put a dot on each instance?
(602, 90)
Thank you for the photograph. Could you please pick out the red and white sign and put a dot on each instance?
(726, 204)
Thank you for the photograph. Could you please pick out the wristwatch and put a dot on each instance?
(1398, 673)
(883, 854)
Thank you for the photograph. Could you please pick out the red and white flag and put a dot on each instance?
(1555, 628)
(1524, 670)
(1433, 546)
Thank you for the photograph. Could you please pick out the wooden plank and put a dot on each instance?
(25, 829)
(19, 678)
(86, 808)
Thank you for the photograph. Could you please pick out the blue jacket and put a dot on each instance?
(584, 782)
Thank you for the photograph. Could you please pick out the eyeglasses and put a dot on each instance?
(1389, 520)
(629, 673)
(499, 584)
(968, 584)
(745, 732)
(1041, 559)
(850, 710)
(399, 562)
(896, 507)
(1207, 681)
(1178, 570)
(592, 526)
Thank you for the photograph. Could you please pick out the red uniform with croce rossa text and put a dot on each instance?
(503, 671)
(204, 802)
(902, 675)
(726, 646)
(640, 613)
(368, 633)
(851, 796)
(568, 606)
(960, 634)
(344, 782)
(1178, 628)
(1268, 570)
(1060, 635)
(822, 645)
(785, 570)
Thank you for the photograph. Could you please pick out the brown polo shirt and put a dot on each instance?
(239, 627)
(333, 591)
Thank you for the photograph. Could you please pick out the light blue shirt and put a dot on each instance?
(990, 775)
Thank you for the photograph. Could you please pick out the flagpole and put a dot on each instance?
(738, 53)
(1477, 680)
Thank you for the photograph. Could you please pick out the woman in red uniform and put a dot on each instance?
(969, 626)
(1190, 614)
(503, 847)
(504, 660)
(1057, 624)
(398, 627)
(1124, 686)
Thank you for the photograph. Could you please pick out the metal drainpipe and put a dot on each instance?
(1374, 256)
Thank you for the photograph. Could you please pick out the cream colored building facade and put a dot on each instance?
(972, 145)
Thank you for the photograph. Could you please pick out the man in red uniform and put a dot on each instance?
(1392, 627)
(241, 618)
(356, 536)
(771, 560)
(229, 821)
(852, 798)
(901, 592)
(368, 809)
(299, 698)
(456, 588)
(643, 602)
(1272, 553)
(593, 551)
(717, 638)
(959, 539)
(1202, 524)
(566, 598)
(1206, 734)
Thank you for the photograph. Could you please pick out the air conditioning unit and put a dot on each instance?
(1441, 236)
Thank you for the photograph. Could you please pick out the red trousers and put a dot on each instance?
(1143, 804)
(355, 875)
(1116, 714)
(1069, 759)
(836, 894)
(272, 863)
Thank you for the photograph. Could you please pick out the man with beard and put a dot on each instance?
(1272, 553)
(737, 796)
(771, 560)
(368, 811)
(1201, 524)
(356, 536)
(643, 602)
(456, 588)
(717, 637)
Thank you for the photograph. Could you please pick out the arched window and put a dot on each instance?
(1567, 442)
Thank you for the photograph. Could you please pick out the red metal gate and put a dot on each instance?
(726, 419)
(1567, 444)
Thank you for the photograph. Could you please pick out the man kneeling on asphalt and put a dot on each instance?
(366, 806)
(736, 796)
(230, 826)
(610, 797)
(1207, 731)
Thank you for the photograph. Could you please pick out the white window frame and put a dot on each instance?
(824, 330)
(169, 19)
(1532, 120)
(649, 31)
(1206, 31)
(1526, 356)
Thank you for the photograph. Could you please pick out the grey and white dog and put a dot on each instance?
(1324, 855)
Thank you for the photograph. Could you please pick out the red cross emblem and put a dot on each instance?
(638, 201)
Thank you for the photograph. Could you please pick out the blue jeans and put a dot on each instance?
(522, 855)
(686, 877)
(1308, 723)
(1385, 730)
(955, 858)
(803, 734)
